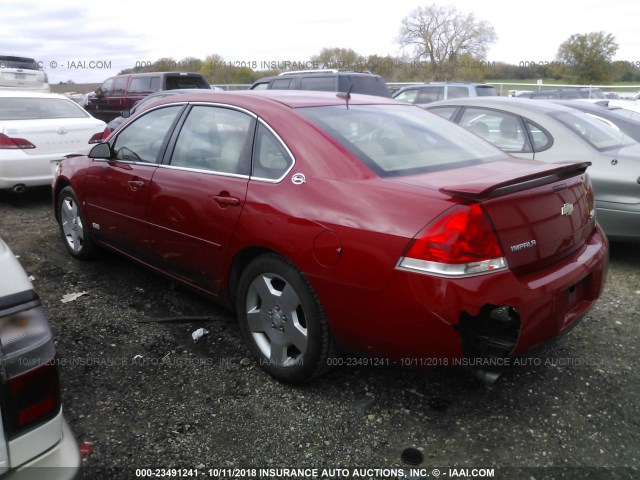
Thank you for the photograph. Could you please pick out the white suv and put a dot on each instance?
(22, 73)
(33, 432)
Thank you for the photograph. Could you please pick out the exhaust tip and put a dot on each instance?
(488, 377)
(19, 188)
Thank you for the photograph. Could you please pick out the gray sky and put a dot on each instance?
(89, 41)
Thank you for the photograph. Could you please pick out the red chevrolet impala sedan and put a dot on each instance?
(336, 222)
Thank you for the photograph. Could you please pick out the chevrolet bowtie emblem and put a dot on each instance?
(567, 209)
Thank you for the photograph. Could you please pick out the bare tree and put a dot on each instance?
(442, 35)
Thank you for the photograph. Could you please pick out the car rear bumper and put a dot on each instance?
(61, 462)
(416, 318)
(28, 170)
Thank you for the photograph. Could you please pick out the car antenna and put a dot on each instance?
(346, 95)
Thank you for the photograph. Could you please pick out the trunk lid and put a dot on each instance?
(540, 212)
(51, 136)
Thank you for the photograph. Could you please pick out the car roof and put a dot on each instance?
(289, 98)
(513, 104)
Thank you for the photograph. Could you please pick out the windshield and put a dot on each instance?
(401, 140)
(16, 108)
(596, 133)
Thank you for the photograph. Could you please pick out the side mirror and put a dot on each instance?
(102, 150)
(125, 113)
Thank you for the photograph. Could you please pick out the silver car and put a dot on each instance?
(33, 432)
(555, 133)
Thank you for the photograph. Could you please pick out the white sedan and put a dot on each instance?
(37, 131)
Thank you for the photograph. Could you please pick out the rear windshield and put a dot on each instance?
(182, 81)
(597, 134)
(364, 84)
(401, 139)
(18, 62)
(32, 108)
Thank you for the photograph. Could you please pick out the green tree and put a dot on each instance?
(588, 56)
(339, 58)
(442, 35)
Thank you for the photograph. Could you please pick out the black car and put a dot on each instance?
(326, 81)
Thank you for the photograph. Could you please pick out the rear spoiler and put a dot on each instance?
(505, 183)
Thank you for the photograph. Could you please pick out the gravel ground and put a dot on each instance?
(148, 396)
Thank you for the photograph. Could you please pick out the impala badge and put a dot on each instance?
(567, 209)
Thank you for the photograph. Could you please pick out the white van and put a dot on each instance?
(22, 73)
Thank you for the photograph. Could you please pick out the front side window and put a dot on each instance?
(503, 129)
(400, 139)
(107, 87)
(143, 138)
(430, 94)
(216, 139)
(408, 95)
(118, 85)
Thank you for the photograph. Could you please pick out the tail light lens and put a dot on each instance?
(99, 137)
(17, 143)
(461, 242)
(30, 381)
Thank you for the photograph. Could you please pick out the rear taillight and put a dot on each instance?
(99, 137)
(461, 242)
(18, 143)
(30, 381)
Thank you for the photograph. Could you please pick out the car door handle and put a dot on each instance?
(136, 184)
(225, 200)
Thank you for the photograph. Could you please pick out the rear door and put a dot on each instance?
(118, 188)
(196, 199)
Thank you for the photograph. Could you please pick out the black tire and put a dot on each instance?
(75, 233)
(282, 321)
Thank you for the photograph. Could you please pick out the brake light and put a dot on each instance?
(9, 143)
(99, 137)
(29, 372)
(461, 242)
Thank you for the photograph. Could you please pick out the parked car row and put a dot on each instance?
(551, 132)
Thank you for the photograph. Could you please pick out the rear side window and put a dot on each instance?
(457, 92)
(323, 84)
(280, 84)
(271, 160)
(144, 84)
(32, 108)
(540, 138)
(500, 128)
(215, 139)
